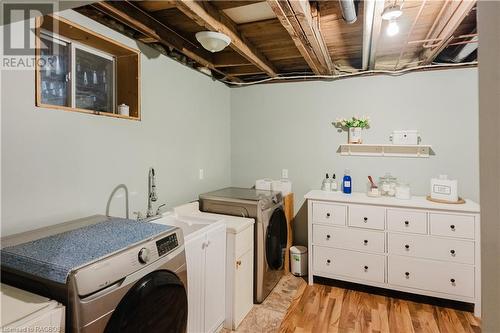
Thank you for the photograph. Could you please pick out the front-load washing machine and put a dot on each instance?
(270, 231)
(113, 275)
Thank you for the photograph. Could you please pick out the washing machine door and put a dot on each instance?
(276, 237)
(156, 303)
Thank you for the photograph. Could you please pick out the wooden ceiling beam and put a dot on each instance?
(243, 70)
(223, 4)
(206, 15)
(157, 32)
(229, 59)
(446, 27)
(296, 17)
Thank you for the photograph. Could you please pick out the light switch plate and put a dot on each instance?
(201, 174)
(284, 173)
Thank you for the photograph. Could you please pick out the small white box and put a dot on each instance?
(263, 184)
(443, 188)
(284, 186)
(405, 137)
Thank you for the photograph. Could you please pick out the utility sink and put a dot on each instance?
(190, 225)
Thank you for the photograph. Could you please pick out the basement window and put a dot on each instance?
(79, 70)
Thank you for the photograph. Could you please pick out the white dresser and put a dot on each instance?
(415, 246)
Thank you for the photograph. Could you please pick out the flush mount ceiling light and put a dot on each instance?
(392, 12)
(213, 41)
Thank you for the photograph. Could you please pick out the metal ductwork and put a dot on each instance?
(348, 8)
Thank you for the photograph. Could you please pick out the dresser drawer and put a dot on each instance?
(329, 213)
(348, 238)
(370, 267)
(460, 226)
(366, 217)
(437, 276)
(429, 247)
(407, 221)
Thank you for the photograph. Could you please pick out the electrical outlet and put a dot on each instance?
(201, 174)
(284, 173)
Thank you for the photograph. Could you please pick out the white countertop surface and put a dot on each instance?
(415, 202)
(20, 305)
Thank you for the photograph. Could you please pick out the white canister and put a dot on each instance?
(443, 188)
(403, 191)
(124, 110)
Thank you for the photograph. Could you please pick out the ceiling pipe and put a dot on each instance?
(348, 11)
(466, 51)
(369, 8)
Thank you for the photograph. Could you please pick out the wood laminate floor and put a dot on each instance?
(321, 308)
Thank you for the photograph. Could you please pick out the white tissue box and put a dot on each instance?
(284, 186)
(263, 184)
(405, 137)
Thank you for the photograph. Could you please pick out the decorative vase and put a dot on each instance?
(354, 135)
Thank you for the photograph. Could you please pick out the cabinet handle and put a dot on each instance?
(327, 237)
(452, 281)
(407, 246)
(365, 241)
(452, 252)
(328, 261)
(452, 227)
(365, 219)
(238, 263)
(327, 214)
(366, 268)
(407, 274)
(407, 223)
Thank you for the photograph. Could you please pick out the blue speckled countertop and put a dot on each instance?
(54, 257)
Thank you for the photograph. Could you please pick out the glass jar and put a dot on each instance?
(387, 185)
(403, 191)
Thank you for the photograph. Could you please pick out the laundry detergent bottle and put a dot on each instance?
(347, 182)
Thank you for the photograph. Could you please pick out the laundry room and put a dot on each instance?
(250, 166)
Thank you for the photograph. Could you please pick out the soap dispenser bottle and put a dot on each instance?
(334, 187)
(326, 185)
(347, 182)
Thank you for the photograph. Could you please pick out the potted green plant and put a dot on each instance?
(353, 126)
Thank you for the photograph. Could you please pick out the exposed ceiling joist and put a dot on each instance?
(243, 70)
(454, 14)
(297, 19)
(154, 31)
(371, 32)
(226, 59)
(132, 16)
(209, 17)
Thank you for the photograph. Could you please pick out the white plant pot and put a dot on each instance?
(354, 135)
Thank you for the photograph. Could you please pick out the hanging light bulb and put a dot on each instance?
(392, 28)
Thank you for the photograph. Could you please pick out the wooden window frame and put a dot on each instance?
(99, 45)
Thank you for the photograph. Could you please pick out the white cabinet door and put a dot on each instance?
(215, 278)
(195, 257)
(243, 288)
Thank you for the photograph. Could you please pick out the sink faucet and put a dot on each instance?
(152, 197)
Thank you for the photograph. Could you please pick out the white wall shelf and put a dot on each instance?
(385, 150)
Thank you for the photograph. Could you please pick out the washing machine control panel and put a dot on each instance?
(167, 244)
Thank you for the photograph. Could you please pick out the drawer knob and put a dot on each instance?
(365, 241)
(407, 274)
(452, 227)
(328, 261)
(366, 268)
(407, 223)
(327, 236)
(407, 246)
(327, 214)
(452, 281)
(452, 252)
(365, 219)
(238, 263)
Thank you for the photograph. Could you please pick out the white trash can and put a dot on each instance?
(298, 260)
